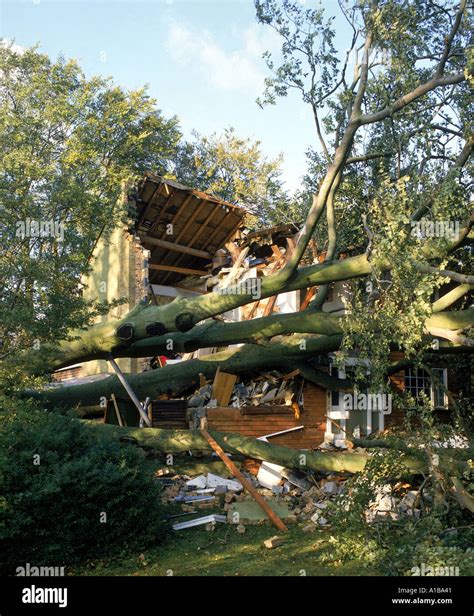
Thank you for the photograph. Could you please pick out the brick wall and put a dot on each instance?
(228, 419)
(69, 373)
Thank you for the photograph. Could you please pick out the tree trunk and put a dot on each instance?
(182, 314)
(286, 353)
(175, 441)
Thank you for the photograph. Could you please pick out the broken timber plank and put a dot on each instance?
(222, 387)
(229, 279)
(130, 391)
(247, 485)
(147, 239)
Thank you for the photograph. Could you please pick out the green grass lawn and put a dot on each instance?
(196, 552)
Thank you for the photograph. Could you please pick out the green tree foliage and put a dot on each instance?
(403, 164)
(58, 479)
(68, 145)
(236, 170)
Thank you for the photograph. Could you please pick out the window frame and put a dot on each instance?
(432, 385)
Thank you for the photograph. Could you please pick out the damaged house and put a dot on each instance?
(187, 243)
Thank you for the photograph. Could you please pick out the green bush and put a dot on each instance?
(57, 480)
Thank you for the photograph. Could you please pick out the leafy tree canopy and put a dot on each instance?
(68, 145)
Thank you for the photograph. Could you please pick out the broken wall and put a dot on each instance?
(313, 418)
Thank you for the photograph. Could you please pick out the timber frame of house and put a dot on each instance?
(184, 243)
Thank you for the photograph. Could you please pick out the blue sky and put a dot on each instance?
(200, 58)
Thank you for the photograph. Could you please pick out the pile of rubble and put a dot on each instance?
(269, 389)
(296, 497)
(389, 504)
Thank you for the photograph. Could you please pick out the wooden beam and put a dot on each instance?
(161, 213)
(175, 218)
(201, 228)
(234, 271)
(177, 270)
(222, 387)
(178, 213)
(274, 518)
(232, 232)
(218, 228)
(130, 391)
(147, 239)
(198, 232)
(117, 412)
(149, 204)
(195, 214)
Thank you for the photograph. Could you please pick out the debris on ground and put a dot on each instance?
(308, 499)
(273, 542)
(208, 519)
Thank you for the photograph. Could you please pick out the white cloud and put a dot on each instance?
(241, 69)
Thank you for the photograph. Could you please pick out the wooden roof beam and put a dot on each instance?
(196, 236)
(218, 228)
(177, 270)
(149, 205)
(146, 239)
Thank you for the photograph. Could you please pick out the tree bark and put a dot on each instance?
(286, 352)
(176, 441)
(182, 314)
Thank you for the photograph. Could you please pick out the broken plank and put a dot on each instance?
(199, 521)
(117, 411)
(244, 481)
(147, 239)
(222, 387)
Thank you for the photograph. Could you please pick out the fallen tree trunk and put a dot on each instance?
(285, 353)
(176, 441)
(182, 314)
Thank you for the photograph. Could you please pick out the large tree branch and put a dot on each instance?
(406, 99)
(174, 441)
(452, 296)
(283, 352)
(456, 276)
(342, 151)
(182, 314)
(454, 337)
(450, 38)
(279, 351)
